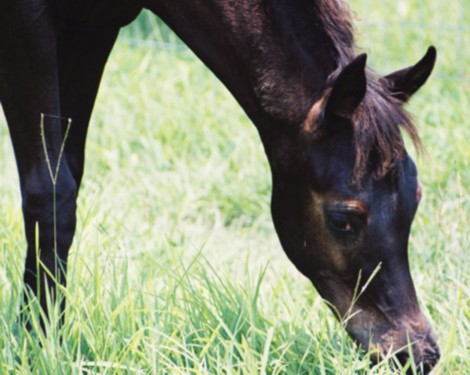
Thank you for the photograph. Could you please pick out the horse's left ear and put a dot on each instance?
(345, 96)
(348, 90)
(405, 82)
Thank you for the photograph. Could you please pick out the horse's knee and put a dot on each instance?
(51, 211)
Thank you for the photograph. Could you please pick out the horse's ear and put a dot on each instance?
(348, 90)
(405, 82)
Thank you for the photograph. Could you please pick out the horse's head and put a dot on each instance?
(343, 206)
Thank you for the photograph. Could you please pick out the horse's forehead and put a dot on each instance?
(339, 174)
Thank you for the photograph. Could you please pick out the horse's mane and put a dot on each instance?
(334, 18)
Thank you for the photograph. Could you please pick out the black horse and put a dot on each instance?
(345, 190)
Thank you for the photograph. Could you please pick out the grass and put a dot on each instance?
(175, 267)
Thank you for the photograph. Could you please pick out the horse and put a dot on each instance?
(344, 189)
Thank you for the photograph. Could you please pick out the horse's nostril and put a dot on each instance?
(431, 355)
(430, 358)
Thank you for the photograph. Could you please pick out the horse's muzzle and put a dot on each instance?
(425, 353)
(404, 344)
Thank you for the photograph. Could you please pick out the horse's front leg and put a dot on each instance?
(83, 52)
(29, 87)
(49, 194)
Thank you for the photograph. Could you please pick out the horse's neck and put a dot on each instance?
(274, 56)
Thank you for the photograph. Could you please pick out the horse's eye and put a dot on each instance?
(345, 220)
(346, 224)
(340, 222)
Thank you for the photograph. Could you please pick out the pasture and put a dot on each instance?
(175, 267)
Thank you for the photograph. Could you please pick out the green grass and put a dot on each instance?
(175, 267)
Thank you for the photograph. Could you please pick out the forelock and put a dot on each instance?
(377, 124)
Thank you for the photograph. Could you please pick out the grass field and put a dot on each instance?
(175, 267)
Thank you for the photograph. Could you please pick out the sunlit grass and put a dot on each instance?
(175, 267)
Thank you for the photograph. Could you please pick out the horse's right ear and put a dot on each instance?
(405, 82)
